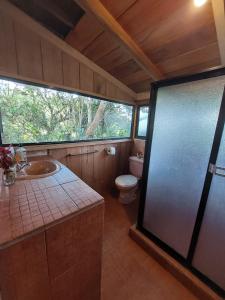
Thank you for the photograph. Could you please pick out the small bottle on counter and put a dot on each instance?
(21, 155)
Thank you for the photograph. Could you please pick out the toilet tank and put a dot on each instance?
(136, 166)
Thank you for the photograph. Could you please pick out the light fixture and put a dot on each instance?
(199, 3)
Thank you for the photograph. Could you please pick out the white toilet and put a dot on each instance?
(127, 184)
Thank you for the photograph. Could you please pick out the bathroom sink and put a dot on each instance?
(38, 169)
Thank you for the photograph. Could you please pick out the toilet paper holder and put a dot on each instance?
(110, 150)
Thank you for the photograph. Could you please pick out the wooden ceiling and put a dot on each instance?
(178, 38)
(175, 36)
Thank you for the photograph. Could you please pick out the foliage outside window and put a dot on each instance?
(142, 121)
(34, 114)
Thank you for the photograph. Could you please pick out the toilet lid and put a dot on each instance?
(126, 180)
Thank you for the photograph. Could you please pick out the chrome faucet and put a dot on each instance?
(21, 165)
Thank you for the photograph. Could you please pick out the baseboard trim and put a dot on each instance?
(189, 280)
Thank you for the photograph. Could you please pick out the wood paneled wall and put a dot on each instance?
(138, 145)
(27, 55)
(98, 169)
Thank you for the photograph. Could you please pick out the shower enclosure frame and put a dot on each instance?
(186, 262)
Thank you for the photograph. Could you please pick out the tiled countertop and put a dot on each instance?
(31, 206)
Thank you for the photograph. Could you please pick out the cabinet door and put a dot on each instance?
(184, 126)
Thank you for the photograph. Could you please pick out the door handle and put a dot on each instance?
(219, 171)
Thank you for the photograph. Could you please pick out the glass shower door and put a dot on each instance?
(184, 126)
(209, 257)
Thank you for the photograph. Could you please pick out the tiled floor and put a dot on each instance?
(128, 272)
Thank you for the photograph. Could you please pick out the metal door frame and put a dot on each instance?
(208, 178)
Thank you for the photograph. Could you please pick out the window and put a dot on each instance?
(35, 114)
(142, 121)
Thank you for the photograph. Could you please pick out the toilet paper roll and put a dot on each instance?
(111, 150)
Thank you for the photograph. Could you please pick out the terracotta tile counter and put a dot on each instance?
(50, 239)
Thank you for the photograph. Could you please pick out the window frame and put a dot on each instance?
(52, 87)
(141, 137)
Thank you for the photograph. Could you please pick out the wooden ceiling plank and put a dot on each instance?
(157, 31)
(219, 17)
(205, 35)
(103, 45)
(148, 16)
(113, 59)
(141, 86)
(198, 67)
(96, 8)
(191, 22)
(125, 69)
(118, 8)
(187, 60)
(133, 78)
(85, 32)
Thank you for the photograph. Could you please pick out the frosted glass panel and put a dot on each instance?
(210, 252)
(185, 122)
(143, 121)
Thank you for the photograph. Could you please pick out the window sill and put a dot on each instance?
(140, 138)
(75, 144)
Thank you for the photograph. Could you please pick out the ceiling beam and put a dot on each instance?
(143, 96)
(96, 8)
(219, 17)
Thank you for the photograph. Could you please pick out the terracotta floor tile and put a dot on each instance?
(128, 272)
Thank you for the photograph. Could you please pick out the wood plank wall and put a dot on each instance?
(98, 169)
(26, 55)
(138, 145)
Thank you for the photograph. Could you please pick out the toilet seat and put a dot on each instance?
(126, 181)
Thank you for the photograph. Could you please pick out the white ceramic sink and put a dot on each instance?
(39, 169)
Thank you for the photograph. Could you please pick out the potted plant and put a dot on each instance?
(7, 163)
